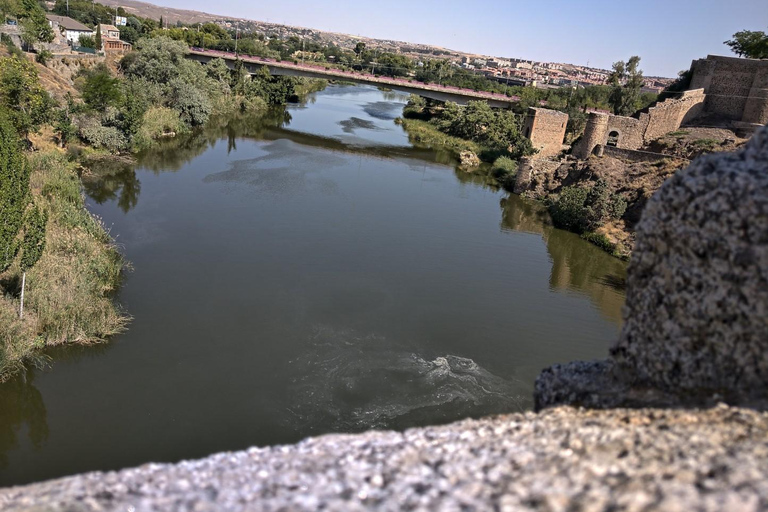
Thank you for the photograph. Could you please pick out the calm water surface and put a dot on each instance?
(307, 273)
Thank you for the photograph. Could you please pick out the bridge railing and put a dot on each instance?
(355, 74)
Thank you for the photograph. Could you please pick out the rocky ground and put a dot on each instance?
(691, 142)
(560, 459)
(635, 181)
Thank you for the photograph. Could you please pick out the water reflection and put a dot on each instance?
(23, 411)
(576, 265)
(109, 179)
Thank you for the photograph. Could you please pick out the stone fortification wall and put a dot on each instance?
(633, 132)
(595, 133)
(668, 115)
(736, 89)
(530, 169)
(633, 155)
(545, 129)
(630, 131)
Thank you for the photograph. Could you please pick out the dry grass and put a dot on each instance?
(70, 292)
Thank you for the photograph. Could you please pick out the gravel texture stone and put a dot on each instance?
(696, 314)
(557, 460)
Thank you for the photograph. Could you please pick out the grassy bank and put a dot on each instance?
(426, 134)
(69, 292)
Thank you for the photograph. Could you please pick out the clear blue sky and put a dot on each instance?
(667, 34)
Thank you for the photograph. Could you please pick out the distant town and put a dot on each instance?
(507, 70)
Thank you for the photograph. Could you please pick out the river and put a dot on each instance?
(306, 273)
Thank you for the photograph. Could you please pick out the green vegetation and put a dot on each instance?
(426, 134)
(493, 133)
(582, 209)
(602, 242)
(504, 170)
(27, 104)
(14, 191)
(750, 44)
(626, 80)
(69, 289)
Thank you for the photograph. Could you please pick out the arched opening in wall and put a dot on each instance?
(613, 139)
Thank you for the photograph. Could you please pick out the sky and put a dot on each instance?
(667, 35)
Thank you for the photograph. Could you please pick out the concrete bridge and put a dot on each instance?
(432, 91)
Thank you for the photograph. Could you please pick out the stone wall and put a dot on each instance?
(531, 170)
(545, 129)
(633, 155)
(630, 131)
(736, 89)
(634, 132)
(667, 116)
(595, 133)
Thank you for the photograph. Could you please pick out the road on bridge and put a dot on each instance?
(334, 73)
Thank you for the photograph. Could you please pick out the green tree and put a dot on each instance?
(101, 89)
(750, 44)
(359, 48)
(97, 38)
(192, 104)
(626, 81)
(14, 190)
(27, 103)
(34, 24)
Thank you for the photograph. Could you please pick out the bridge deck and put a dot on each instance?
(304, 69)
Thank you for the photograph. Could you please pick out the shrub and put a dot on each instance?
(504, 170)
(99, 136)
(157, 122)
(87, 41)
(43, 57)
(193, 106)
(599, 240)
(101, 89)
(581, 209)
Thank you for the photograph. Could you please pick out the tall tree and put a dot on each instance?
(626, 81)
(14, 190)
(750, 44)
(98, 37)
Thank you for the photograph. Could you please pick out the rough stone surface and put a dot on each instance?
(696, 313)
(561, 459)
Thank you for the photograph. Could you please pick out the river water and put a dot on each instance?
(305, 273)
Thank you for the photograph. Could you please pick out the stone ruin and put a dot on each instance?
(727, 91)
(696, 314)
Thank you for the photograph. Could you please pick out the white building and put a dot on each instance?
(70, 29)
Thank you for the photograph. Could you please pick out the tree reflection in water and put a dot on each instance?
(22, 409)
(576, 264)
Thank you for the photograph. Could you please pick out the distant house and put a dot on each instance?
(69, 28)
(110, 39)
(109, 31)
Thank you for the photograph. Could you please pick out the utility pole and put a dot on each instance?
(237, 31)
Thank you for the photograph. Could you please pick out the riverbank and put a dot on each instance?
(69, 292)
